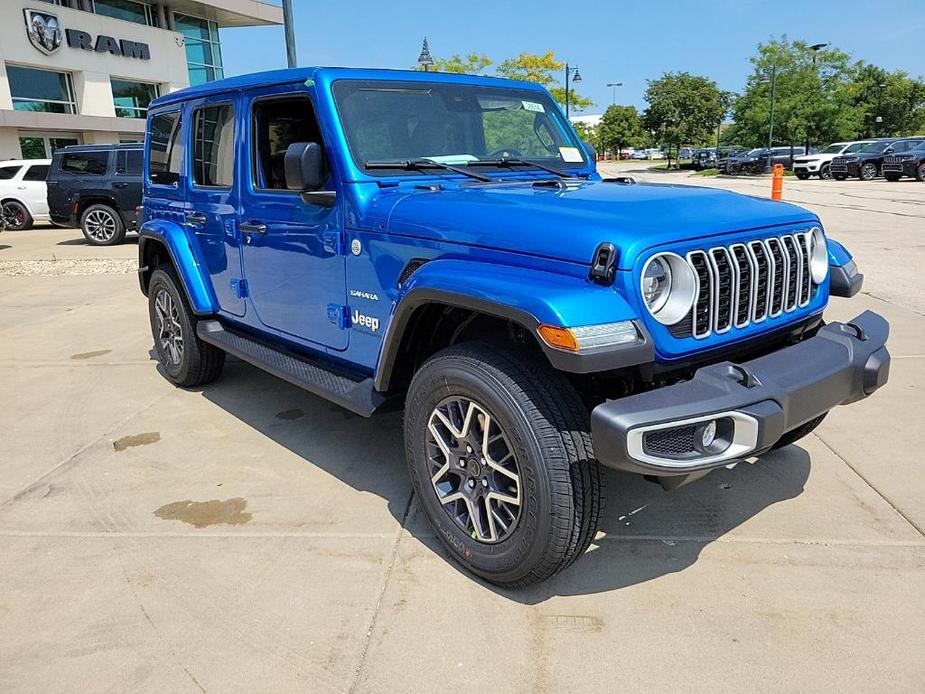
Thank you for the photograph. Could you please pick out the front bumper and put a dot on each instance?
(807, 166)
(851, 168)
(754, 403)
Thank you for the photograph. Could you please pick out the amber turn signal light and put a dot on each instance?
(561, 338)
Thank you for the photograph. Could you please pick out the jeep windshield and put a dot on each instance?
(455, 125)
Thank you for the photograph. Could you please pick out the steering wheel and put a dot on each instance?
(504, 153)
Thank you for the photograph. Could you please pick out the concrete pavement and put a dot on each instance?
(250, 537)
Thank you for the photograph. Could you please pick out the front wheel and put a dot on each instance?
(920, 172)
(802, 176)
(868, 172)
(187, 360)
(825, 173)
(498, 447)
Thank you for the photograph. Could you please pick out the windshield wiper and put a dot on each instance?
(423, 165)
(508, 162)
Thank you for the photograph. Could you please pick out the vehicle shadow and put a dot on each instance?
(81, 241)
(3, 247)
(645, 532)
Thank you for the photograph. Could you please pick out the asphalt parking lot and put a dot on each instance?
(251, 537)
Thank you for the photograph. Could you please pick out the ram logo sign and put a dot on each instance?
(43, 30)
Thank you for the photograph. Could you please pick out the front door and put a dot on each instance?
(293, 257)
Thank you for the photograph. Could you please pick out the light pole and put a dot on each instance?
(613, 91)
(879, 119)
(577, 78)
(289, 28)
(815, 48)
(771, 123)
(425, 62)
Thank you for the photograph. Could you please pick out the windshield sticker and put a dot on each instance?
(570, 154)
(533, 106)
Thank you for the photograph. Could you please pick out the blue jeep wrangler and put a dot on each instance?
(445, 242)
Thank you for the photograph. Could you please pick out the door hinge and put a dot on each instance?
(337, 314)
(239, 286)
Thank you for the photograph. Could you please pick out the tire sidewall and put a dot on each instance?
(511, 558)
(117, 236)
(862, 174)
(26, 217)
(825, 173)
(162, 279)
(920, 172)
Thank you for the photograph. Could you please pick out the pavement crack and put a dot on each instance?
(892, 303)
(368, 637)
(854, 469)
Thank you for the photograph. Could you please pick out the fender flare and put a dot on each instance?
(844, 278)
(524, 296)
(192, 272)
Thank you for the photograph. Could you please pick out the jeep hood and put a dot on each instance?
(568, 222)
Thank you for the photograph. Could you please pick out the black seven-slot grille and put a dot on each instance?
(747, 283)
(892, 164)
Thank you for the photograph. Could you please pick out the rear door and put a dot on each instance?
(34, 192)
(126, 182)
(293, 251)
(213, 198)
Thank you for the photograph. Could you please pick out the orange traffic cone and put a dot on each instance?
(777, 182)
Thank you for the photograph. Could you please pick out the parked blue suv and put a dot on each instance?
(445, 242)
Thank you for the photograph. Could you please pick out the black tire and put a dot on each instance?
(17, 216)
(795, 435)
(102, 225)
(196, 362)
(868, 171)
(892, 178)
(546, 428)
(839, 177)
(802, 176)
(825, 172)
(920, 172)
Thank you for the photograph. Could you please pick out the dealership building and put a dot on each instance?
(84, 71)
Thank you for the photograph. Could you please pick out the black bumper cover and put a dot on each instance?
(842, 363)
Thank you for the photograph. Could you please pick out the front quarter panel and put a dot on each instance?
(190, 267)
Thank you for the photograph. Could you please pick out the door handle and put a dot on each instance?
(196, 219)
(253, 228)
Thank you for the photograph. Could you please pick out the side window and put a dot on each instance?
(85, 163)
(36, 172)
(128, 162)
(277, 123)
(7, 172)
(165, 151)
(213, 146)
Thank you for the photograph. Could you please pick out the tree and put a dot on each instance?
(545, 70)
(470, 64)
(620, 127)
(588, 133)
(682, 108)
(894, 96)
(812, 96)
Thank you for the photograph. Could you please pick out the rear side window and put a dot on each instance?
(37, 172)
(7, 172)
(89, 163)
(128, 162)
(166, 152)
(213, 146)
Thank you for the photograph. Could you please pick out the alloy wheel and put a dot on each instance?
(13, 216)
(474, 471)
(169, 331)
(100, 225)
(868, 172)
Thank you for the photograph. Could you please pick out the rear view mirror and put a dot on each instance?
(304, 166)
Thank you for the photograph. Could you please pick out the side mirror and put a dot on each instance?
(304, 165)
(593, 152)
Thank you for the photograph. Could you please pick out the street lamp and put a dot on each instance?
(879, 119)
(613, 97)
(771, 123)
(576, 78)
(425, 62)
(815, 48)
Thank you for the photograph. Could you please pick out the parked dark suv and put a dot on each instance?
(756, 160)
(910, 163)
(867, 161)
(96, 188)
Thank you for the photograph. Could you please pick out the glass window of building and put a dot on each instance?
(213, 146)
(129, 10)
(41, 90)
(131, 99)
(203, 51)
(42, 146)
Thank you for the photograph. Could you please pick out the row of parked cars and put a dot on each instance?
(890, 157)
(95, 187)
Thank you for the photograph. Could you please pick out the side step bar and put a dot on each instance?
(355, 394)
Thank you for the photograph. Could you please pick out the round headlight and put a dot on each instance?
(668, 286)
(818, 256)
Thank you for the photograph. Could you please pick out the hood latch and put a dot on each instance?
(604, 264)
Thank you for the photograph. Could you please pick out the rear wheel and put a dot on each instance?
(16, 216)
(498, 447)
(868, 171)
(187, 360)
(102, 226)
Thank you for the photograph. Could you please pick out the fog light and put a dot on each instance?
(708, 434)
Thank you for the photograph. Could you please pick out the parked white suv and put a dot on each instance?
(818, 164)
(23, 193)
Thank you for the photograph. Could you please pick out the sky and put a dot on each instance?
(610, 41)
